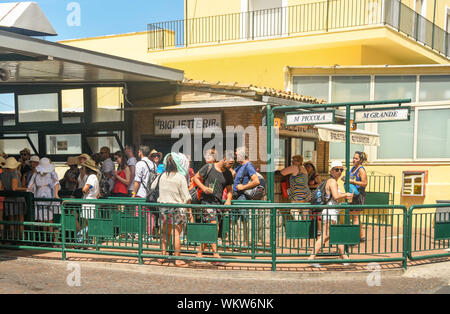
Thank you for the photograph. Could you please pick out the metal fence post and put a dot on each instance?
(273, 237)
(63, 233)
(140, 209)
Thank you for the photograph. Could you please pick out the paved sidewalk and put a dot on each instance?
(47, 275)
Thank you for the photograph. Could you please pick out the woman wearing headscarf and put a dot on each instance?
(173, 189)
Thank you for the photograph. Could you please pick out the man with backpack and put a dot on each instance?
(247, 186)
(145, 174)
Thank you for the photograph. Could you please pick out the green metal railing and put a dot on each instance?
(429, 231)
(245, 232)
(317, 16)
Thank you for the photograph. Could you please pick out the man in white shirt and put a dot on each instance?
(140, 189)
(131, 162)
(143, 168)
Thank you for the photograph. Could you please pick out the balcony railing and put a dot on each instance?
(317, 17)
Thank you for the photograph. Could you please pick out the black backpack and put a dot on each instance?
(152, 175)
(105, 187)
(319, 196)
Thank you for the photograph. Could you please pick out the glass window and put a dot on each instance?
(38, 108)
(63, 144)
(7, 103)
(106, 104)
(314, 86)
(7, 109)
(337, 150)
(72, 105)
(279, 154)
(433, 133)
(296, 146)
(12, 146)
(97, 142)
(309, 151)
(413, 183)
(350, 88)
(396, 139)
(434, 87)
(34, 137)
(395, 87)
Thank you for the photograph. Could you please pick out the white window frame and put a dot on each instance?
(413, 175)
(372, 151)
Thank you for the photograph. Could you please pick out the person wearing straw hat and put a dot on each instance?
(82, 177)
(69, 182)
(91, 190)
(45, 184)
(34, 162)
(157, 157)
(14, 207)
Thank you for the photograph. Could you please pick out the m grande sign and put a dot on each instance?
(304, 118)
(382, 115)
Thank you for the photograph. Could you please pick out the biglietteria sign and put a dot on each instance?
(301, 118)
(382, 115)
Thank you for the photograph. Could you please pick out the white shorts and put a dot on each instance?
(330, 214)
(87, 211)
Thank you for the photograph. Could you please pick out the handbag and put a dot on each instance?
(195, 191)
(284, 188)
(255, 193)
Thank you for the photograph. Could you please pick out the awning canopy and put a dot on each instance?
(25, 18)
(34, 60)
(336, 133)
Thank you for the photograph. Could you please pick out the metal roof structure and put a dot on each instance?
(25, 18)
(29, 59)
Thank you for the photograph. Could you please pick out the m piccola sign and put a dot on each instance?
(382, 115)
(303, 118)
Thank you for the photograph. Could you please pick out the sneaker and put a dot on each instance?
(316, 265)
(346, 264)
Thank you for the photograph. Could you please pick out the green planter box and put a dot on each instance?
(344, 234)
(442, 231)
(300, 229)
(201, 233)
(100, 227)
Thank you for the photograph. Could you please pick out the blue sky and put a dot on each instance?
(105, 17)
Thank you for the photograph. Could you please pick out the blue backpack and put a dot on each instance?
(319, 196)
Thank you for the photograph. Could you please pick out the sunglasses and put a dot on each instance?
(338, 169)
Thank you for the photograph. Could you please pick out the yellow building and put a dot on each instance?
(337, 50)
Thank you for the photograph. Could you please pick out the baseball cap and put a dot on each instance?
(336, 163)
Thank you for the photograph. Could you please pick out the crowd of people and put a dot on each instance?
(122, 174)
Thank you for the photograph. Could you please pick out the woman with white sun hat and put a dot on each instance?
(45, 184)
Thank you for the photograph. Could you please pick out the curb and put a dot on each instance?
(218, 274)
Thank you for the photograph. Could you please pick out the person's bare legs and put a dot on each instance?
(177, 245)
(357, 221)
(166, 232)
